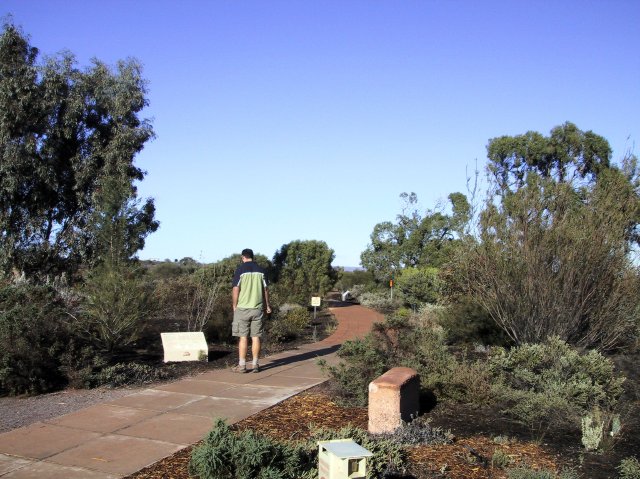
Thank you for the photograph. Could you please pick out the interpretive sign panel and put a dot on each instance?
(316, 301)
(184, 347)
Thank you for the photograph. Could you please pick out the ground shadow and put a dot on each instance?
(303, 356)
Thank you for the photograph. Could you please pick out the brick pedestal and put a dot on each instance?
(393, 397)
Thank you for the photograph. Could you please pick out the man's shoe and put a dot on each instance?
(256, 369)
(239, 369)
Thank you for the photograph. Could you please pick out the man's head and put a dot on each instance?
(247, 254)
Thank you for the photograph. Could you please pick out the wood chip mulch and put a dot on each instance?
(465, 458)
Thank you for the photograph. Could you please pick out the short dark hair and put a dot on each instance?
(247, 253)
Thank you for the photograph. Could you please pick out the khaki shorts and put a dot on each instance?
(247, 322)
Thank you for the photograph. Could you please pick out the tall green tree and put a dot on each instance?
(567, 155)
(68, 138)
(415, 240)
(303, 269)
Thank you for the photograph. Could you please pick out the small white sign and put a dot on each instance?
(184, 347)
(316, 301)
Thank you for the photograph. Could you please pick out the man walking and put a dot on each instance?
(250, 295)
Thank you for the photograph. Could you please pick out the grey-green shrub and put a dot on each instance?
(225, 454)
(379, 301)
(552, 382)
(629, 468)
(407, 341)
(524, 472)
(387, 453)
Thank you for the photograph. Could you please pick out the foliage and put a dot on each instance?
(349, 279)
(116, 302)
(288, 324)
(629, 468)
(553, 260)
(465, 321)
(415, 240)
(68, 137)
(419, 431)
(411, 342)
(225, 454)
(380, 301)
(567, 155)
(387, 453)
(361, 363)
(552, 383)
(303, 269)
(524, 472)
(500, 459)
(592, 431)
(32, 336)
(419, 285)
(130, 374)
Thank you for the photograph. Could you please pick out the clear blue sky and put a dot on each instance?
(285, 120)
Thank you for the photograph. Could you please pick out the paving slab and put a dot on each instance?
(156, 400)
(197, 387)
(116, 454)
(10, 463)
(42, 440)
(171, 427)
(299, 383)
(103, 418)
(232, 410)
(48, 470)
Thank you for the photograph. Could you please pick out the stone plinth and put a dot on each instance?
(393, 397)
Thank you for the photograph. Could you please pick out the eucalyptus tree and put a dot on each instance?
(68, 139)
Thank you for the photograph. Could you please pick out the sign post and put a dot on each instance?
(391, 286)
(315, 302)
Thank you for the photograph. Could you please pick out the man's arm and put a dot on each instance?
(234, 297)
(266, 300)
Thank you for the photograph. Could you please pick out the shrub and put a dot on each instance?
(289, 324)
(419, 285)
(629, 468)
(387, 453)
(500, 459)
(418, 431)
(130, 374)
(379, 301)
(225, 454)
(116, 303)
(524, 472)
(466, 321)
(32, 336)
(361, 363)
(410, 342)
(553, 383)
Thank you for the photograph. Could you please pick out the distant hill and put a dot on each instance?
(349, 269)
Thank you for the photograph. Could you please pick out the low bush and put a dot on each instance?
(388, 454)
(552, 383)
(629, 468)
(289, 324)
(130, 374)
(525, 472)
(419, 431)
(225, 454)
(380, 301)
(33, 334)
(411, 342)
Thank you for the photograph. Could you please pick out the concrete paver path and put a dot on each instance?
(118, 438)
